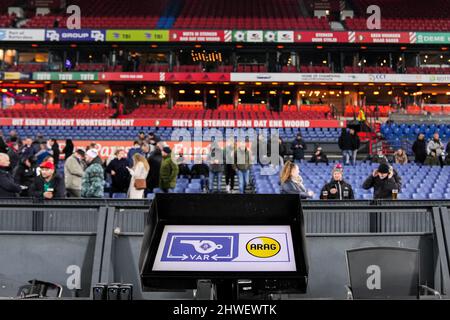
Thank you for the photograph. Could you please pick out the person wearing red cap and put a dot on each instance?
(48, 185)
(337, 188)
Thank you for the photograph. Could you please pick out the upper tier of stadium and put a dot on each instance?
(398, 15)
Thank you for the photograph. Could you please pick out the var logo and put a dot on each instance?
(201, 247)
(374, 280)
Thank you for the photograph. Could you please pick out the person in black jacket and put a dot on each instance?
(420, 148)
(26, 150)
(183, 168)
(13, 153)
(356, 143)
(383, 181)
(48, 185)
(447, 152)
(68, 149)
(337, 188)
(319, 157)
(200, 169)
(298, 147)
(25, 174)
(153, 138)
(55, 148)
(346, 146)
(154, 160)
(120, 175)
(282, 150)
(8, 187)
(3, 146)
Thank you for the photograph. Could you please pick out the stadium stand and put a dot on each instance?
(403, 16)
(26, 67)
(89, 67)
(428, 70)
(189, 110)
(55, 111)
(350, 69)
(419, 182)
(5, 21)
(194, 14)
(315, 69)
(404, 135)
(165, 133)
(235, 14)
(112, 14)
(370, 111)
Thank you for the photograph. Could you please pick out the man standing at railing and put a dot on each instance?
(384, 181)
(48, 185)
(420, 149)
(435, 151)
(345, 144)
(8, 187)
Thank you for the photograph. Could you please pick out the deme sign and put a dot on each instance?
(225, 248)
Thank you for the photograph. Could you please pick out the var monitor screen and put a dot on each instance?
(209, 248)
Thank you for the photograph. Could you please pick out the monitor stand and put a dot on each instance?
(228, 290)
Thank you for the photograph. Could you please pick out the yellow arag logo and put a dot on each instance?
(263, 247)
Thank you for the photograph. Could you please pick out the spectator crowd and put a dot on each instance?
(29, 168)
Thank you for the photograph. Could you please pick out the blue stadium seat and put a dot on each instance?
(119, 195)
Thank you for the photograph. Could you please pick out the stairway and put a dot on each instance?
(170, 14)
(250, 188)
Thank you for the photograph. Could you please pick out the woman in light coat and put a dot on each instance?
(139, 171)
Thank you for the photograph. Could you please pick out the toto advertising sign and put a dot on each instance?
(74, 35)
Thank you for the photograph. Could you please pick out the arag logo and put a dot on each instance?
(263, 247)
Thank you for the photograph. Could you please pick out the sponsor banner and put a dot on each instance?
(256, 36)
(321, 37)
(197, 35)
(74, 35)
(225, 248)
(176, 123)
(339, 77)
(67, 122)
(279, 36)
(14, 76)
(107, 148)
(129, 76)
(228, 77)
(197, 76)
(22, 34)
(65, 76)
(433, 37)
(216, 123)
(248, 36)
(286, 36)
(137, 35)
(297, 77)
(379, 37)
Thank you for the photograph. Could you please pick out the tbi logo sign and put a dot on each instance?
(263, 247)
(201, 247)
